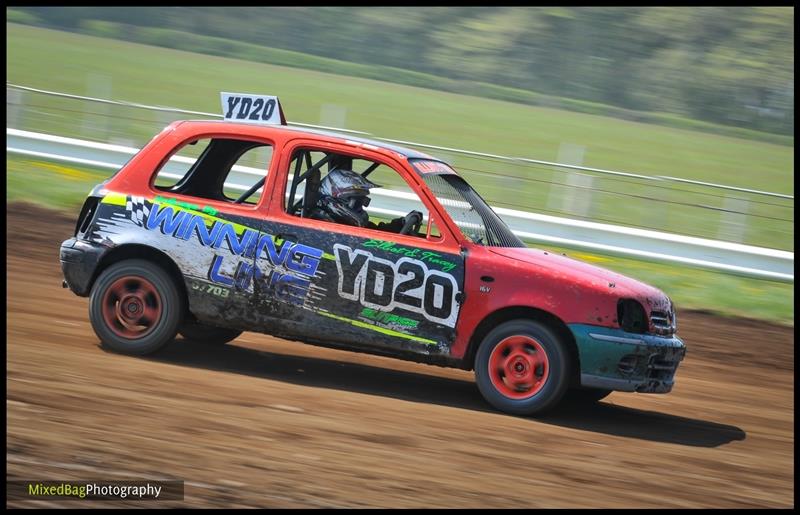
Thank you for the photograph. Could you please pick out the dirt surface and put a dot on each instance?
(271, 423)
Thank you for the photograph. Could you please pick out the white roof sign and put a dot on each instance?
(243, 107)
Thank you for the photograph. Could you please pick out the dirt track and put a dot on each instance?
(270, 423)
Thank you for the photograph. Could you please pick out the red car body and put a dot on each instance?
(610, 332)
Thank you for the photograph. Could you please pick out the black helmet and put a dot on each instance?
(343, 194)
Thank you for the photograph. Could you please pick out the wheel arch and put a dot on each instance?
(528, 313)
(147, 253)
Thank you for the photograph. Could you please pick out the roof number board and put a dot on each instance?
(243, 107)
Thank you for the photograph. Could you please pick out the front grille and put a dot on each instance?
(661, 366)
(663, 323)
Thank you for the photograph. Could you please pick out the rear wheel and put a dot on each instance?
(201, 333)
(522, 367)
(135, 307)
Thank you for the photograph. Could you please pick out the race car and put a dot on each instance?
(248, 224)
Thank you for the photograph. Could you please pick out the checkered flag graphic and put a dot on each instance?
(137, 209)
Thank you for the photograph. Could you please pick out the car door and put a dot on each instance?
(357, 287)
(203, 211)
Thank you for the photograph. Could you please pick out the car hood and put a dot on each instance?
(557, 265)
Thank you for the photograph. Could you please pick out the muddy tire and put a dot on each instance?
(135, 307)
(201, 333)
(522, 368)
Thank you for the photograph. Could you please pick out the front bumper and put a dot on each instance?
(79, 259)
(612, 359)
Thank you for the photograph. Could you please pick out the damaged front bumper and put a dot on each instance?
(613, 359)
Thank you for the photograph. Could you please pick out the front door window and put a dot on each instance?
(353, 192)
(384, 276)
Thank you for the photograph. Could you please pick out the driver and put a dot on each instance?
(343, 195)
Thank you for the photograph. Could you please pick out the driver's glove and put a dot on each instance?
(397, 224)
(394, 226)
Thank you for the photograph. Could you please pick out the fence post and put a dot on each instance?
(733, 220)
(16, 107)
(575, 196)
(655, 213)
(97, 114)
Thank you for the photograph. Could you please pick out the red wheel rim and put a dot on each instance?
(518, 367)
(131, 307)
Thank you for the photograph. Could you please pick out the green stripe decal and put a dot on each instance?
(389, 332)
(118, 199)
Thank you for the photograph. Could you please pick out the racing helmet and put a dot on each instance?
(343, 195)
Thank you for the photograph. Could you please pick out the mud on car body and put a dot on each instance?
(208, 231)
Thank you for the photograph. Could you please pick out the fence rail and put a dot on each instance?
(415, 144)
(562, 188)
(533, 227)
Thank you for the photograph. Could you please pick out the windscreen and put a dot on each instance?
(468, 210)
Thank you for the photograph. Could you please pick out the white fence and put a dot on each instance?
(561, 189)
(657, 178)
(533, 227)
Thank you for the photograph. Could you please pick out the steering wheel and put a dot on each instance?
(413, 222)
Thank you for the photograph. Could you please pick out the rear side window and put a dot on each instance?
(223, 169)
(246, 172)
(178, 166)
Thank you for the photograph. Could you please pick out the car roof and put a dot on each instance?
(407, 152)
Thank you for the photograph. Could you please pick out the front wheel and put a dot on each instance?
(522, 367)
(135, 307)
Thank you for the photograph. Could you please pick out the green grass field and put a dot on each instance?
(63, 62)
(64, 187)
(76, 64)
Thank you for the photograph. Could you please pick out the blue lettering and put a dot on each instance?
(251, 248)
(243, 275)
(300, 260)
(166, 218)
(308, 259)
(184, 232)
(273, 255)
(214, 274)
(197, 225)
(234, 244)
(289, 288)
